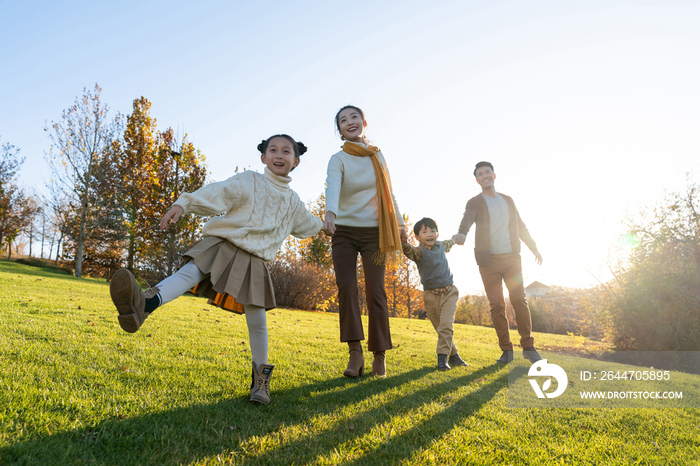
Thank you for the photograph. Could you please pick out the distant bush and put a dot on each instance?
(64, 267)
(654, 302)
(302, 285)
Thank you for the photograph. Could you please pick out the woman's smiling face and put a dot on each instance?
(351, 125)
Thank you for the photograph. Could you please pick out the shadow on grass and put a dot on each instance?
(301, 425)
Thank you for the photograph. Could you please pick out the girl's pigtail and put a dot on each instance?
(261, 146)
(302, 147)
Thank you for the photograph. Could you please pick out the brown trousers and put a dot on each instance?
(441, 308)
(507, 268)
(347, 242)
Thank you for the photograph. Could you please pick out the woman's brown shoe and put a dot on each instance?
(379, 364)
(356, 364)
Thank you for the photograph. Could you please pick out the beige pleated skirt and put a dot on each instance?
(235, 278)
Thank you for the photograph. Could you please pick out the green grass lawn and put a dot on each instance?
(76, 389)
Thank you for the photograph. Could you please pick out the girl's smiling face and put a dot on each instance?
(351, 125)
(279, 157)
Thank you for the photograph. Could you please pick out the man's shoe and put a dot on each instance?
(129, 300)
(442, 362)
(506, 357)
(456, 361)
(531, 354)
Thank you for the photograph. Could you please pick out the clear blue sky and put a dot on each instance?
(587, 109)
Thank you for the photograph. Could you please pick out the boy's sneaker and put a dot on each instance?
(456, 361)
(531, 354)
(129, 300)
(506, 357)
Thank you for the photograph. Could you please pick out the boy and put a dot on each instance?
(439, 293)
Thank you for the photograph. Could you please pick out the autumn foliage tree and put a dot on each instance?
(180, 168)
(136, 164)
(474, 310)
(401, 282)
(13, 200)
(80, 153)
(104, 242)
(304, 278)
(302, 272)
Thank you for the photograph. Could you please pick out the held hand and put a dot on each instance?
(459, 239)
(538, 258)
(173, 215)
(329, 224)
(404, 237)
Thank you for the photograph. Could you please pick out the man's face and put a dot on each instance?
(485, 177)
(427, 236)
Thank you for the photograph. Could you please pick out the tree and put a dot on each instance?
(18, 218)
(57, 208)
(473, 310)
(302, 273)
(103, 247)
(32, 211)
(79, 158)
(654, 301)
(180, 168)
(402, 280)
(317, 249)
(136, 163)
(10, 194)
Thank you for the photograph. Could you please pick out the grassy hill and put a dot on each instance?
(76, 389)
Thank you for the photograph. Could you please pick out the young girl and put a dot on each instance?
(254, 214)
(363, 217)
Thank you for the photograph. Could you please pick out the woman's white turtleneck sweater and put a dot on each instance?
(351, 190)
(254, 211)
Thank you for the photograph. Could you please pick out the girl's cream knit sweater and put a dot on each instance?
(254, 211)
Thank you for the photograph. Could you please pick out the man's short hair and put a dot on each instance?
(483, 164)
(425, 221)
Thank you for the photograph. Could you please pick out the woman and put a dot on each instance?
(362, 216)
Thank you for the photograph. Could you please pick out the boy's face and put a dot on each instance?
(427, 236)
(279, 156)
(485, 177)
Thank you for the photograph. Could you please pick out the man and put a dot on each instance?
(499, 230)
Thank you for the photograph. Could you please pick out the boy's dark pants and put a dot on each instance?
(507, 268)
(347, 242)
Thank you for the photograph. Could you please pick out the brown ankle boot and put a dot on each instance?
(356, 364)
(379, 364)
(260, 388)
(129, 300)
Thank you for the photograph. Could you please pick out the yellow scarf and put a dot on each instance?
(389, 238)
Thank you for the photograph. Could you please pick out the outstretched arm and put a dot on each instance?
(412, 252)
(467, 221)
(329, 224)
(171, 216)
(538, 257)
(527, 239)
